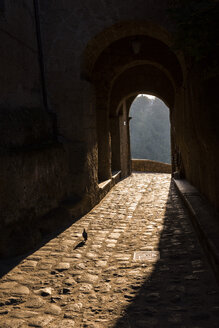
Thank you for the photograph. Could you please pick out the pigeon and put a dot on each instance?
(84, 235)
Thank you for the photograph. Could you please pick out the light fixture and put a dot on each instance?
(136, 46)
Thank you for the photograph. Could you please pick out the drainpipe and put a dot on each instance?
(40, 53)
(42, 67)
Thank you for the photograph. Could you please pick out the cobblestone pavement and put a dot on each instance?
(100, 284)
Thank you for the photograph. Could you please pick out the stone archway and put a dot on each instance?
(139, 79)
(119, 31)
(117, 70)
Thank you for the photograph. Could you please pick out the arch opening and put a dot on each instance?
(139, 60)
(150, 129)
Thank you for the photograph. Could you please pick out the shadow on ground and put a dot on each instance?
(180, 292)
(8, 264)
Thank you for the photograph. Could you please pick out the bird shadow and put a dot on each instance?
(81, 244)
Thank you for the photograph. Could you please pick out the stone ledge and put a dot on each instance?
(204, 219)
(105, 186)
(147, 165)
(116, 176)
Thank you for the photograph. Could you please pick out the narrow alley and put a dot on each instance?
(104, 283)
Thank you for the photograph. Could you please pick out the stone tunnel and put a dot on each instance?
(69, 71)
(86, 241)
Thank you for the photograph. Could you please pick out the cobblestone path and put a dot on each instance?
(100, 284)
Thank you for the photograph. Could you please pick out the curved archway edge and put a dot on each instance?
(118, 31)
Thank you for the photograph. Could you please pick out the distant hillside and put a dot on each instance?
(150, 130)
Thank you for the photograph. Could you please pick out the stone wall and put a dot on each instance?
(66, 67)
(19, 61)
(196, 134)
(34, 164)
(146, 165)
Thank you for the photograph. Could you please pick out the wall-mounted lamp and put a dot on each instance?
(136, 47)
